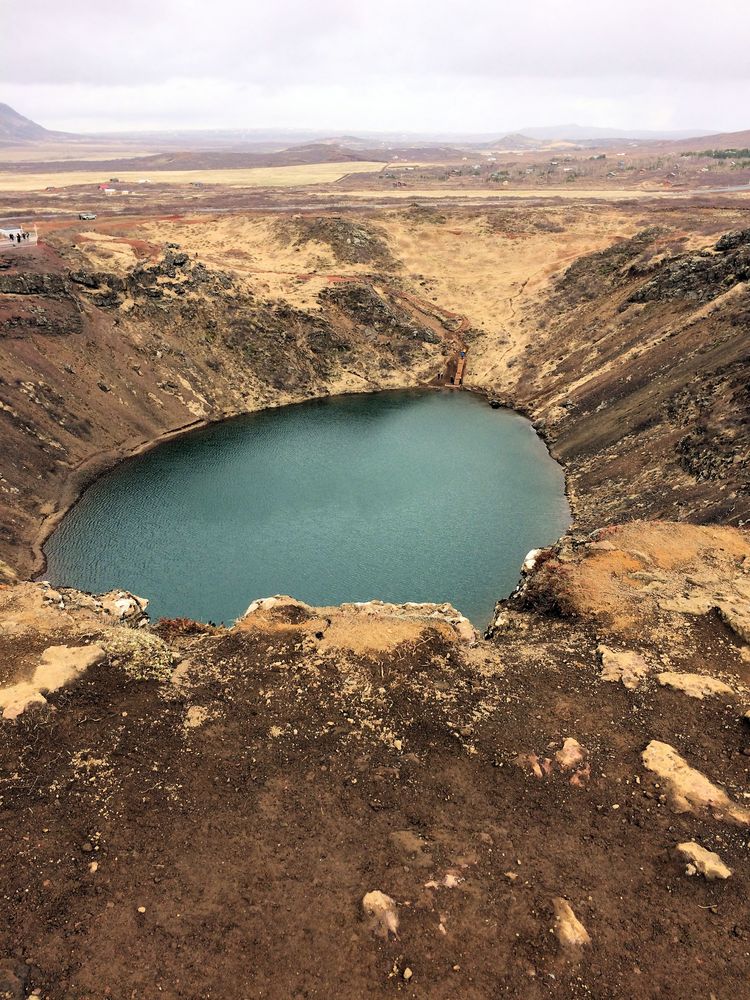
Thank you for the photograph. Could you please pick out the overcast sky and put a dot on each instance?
(412, 65)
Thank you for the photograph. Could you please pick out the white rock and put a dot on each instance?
(569, 930)
(690, 790)
(530, 561)
(693, 685)
(622, 665)
(700, 860)
(381, 911)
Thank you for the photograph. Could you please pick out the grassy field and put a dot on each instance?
(296, 176)
(52, 152)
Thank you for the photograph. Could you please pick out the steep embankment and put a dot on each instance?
(97, 364)
(632, 359)
(638, 375)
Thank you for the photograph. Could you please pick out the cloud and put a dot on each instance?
(385, 64)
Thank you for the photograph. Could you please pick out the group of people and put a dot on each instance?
(22, 235)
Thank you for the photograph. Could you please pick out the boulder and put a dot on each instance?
(691, 791)
(693, 685)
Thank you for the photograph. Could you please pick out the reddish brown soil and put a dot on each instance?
(250, 840)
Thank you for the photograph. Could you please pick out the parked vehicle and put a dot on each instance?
(86, 216)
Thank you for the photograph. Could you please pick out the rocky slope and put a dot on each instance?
(639, 378)
(97, 364)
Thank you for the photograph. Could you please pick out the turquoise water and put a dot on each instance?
(402, 496)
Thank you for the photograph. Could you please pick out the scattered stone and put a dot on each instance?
(381, 911)
(408, 973)
(569, 930)
(693, 685)
(705, 862)
(571, 755)
(531, 760)
(449, 881)
(581, 776)
(124, 606)
(622, 665)
(690, 790)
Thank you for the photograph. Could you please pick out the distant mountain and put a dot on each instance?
(15, 128)
(582, 133)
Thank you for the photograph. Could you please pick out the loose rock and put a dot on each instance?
(569, 930)
(707, 863)
(381, 911)
(622, 665)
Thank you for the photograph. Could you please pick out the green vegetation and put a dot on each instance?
(724, 154)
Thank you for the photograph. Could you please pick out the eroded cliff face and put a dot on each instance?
(97, 364)
(632, 360)
(639, 377)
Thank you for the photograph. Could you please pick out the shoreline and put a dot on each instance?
(86, 473)
(97, 465)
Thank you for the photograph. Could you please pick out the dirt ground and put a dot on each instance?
(211, 827)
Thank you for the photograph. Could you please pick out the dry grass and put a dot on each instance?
(284, 177)
(50, 152)
(567, 193)
(470, 267)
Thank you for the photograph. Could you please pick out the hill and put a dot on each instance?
(722, 140)
(16, 128)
